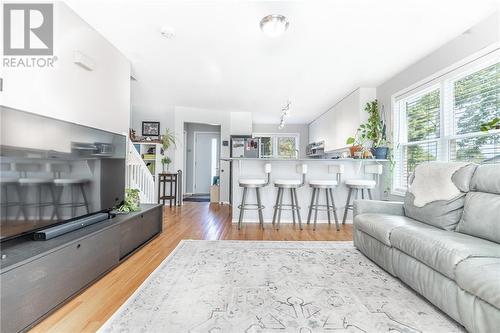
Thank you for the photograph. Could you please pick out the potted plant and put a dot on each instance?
(165, 160)
(132, 201)
(355, 144)
(374, 130)
(167, 141)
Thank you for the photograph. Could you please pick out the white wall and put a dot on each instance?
(301, 129)
(99, 98)
(190, 129)
(480, 38)
(241, 123)
(341, 120)
(140, 113)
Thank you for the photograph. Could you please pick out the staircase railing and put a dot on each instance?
(139, 176)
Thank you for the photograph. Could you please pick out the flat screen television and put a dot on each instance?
(53, 171)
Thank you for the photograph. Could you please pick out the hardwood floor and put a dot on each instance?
(90, 309)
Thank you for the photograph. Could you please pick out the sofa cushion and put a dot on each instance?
(380, 226)
(480, 277)
(443, 214)
(439, 249)
(481, 216)
(486, 179)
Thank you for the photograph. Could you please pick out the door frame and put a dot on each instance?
(195, 134)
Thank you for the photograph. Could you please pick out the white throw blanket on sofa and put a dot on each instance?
(433, 182)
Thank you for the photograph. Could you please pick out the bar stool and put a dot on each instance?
(9, 186)
(13, 185)
(72, 186)
(255, 183)
(38, 184)
(328, 185)
(375, 170)
(293, 185)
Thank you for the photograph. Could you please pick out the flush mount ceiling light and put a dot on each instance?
(274, 25)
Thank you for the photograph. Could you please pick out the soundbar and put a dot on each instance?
(58, 230)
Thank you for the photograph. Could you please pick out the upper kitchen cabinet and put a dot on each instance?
(341, 120)
(88, 82)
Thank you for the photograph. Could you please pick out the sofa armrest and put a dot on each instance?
(378, 207)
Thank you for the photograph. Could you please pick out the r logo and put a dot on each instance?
(28, 29)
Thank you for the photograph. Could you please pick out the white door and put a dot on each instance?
(206, 160)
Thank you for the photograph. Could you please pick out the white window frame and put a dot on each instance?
(444, 81)
(274, 141)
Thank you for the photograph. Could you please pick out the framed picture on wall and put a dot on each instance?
(150, 128)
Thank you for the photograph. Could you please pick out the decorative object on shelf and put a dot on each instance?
(132, 135)
(274, 25)
(132, 201)
(494, 124)
(165, 160)
(150, 128)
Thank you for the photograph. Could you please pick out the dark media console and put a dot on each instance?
(39, 276)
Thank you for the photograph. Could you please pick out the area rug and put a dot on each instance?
(248, 286)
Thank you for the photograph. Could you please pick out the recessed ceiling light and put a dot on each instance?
(274, 25)
(167, 32)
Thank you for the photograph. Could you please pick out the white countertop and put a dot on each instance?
(304, 159)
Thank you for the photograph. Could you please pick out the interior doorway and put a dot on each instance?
(202, 160)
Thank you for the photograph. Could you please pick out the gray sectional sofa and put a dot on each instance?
(449, 252)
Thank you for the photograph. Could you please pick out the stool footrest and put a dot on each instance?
(251, 207)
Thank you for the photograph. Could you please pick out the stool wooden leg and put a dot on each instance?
(334, 208)
(259, 204)
(280, 205)
(316, 209)
(370, 194)
(328, 205)
(311, 206)
(293, 205)
(298, 208)
(242, 207)
(276, 206)
(347, 205)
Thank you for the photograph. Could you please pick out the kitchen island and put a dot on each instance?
(288, 169)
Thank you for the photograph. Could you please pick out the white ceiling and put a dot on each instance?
(219, 58)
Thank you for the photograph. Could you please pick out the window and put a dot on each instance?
(441, 121)
(278, 145)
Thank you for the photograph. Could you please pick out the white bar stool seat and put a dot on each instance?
(324, 183)
(255, 183)
(361, 183)
(34, 181)
(251, 181)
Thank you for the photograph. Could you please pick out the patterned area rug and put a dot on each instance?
(247, 286)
